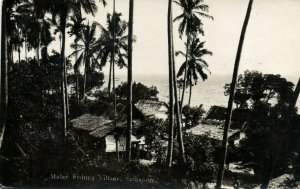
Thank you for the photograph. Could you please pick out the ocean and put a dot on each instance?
(209, 93)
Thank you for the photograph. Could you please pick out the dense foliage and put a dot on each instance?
(193, 115)
(271, 130)
(140, 91)
(255, 87)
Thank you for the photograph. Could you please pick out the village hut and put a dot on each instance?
(88, 122)
(217, 115)
(152, 109)
(215, 133)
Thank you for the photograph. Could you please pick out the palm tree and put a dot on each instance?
(195, 65)
(37, 9)
(177, 108)
(76, 26)
(191, 25)
(171, 93)
(6, 16)
(62, 10)
(88, 49)
(3, 78)
(114, 43)
(129, 81)
(231, 96)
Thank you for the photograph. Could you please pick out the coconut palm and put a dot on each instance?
(190, 25)
(36, 10)
(231, 97)
(6, 17)
(87, 50)
(129, 81)
(171, 92)
(76, 26)
(114, 43)
(61, 10)
(196, 64)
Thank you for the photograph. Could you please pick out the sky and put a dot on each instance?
(272, 42)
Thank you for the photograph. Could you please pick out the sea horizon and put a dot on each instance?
(208, 93)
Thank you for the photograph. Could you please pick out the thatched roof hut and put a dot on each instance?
(151, 108)
(106, 129)
(88, 122)
(213, 132)
(217, 115)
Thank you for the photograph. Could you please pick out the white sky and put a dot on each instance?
(272, 43)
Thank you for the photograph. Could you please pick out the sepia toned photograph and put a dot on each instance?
(150, 94)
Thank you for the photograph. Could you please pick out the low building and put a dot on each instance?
(215, 133)
(152, 109)
(217, 115)
(101, 130)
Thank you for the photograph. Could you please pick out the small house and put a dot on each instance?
(152, 109)
(99, 132)
(217, 116)
(215, 133)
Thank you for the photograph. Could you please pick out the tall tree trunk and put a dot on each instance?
(77, 74)
(171, 93)
(84, 75)
(65, 71)
(113, 71)
(191, 88)
(19, 54)
(9, 55)
(25, 46)
(38, 49)
(110, 75)
(177, 106)
(64, 84)
(231, 97)
(117, 149)
(3, 74)
(186, 68)
(129, 81)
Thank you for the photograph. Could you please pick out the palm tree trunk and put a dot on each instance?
(19, 54)
(110, 75)
(10, 57)
(129, 81)
(177, 107)
(38, 49)
(66, 77)
(117, 149)
(171, 93)
(25, 46)
(64, 84)
(231, 97)
(113, 71)
(185, 71)
(4, 77)
(191, 87)
(77, 75)
(84, 76)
